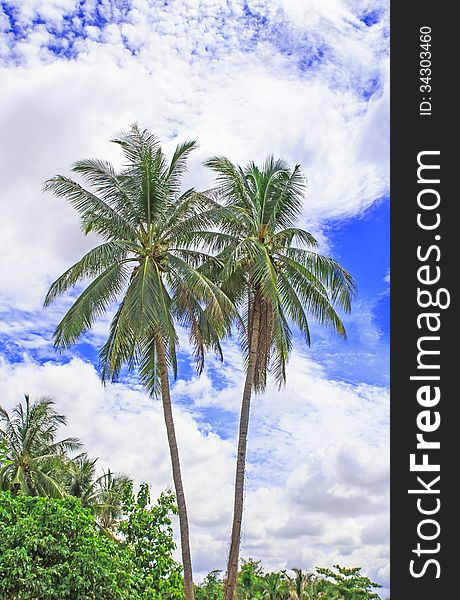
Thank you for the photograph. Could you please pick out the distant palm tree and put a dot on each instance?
(146, 266)
(36, 460)
(270, 270)
(273, 586)
(108, 500)
(303, 586)
(81, 478)
(104, 495)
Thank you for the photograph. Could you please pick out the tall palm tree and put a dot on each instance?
(36, 461)
(143, 265)
(271, 271)
(104, 495)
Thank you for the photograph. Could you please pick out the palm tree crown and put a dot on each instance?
(36, 460)
(303, 585)
(270, 266)
(144, 262)
(103, 494)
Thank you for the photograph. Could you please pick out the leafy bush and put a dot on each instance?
(147, 530)
(53, 549)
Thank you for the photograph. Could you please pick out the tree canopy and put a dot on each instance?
(53, 549)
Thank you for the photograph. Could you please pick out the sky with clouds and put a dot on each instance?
(304, 79)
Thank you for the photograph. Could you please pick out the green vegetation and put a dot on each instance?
(53, 549)
(147, 531)
(3, 454)
(104, 495)
(36, 460)
(66, 532)
(36, 463)
(326, 584)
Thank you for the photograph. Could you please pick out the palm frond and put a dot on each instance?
(91, 264)
(286, 237)
(92, 303)
(114, 188)
(95, 214)
(340, 283)
(178, 165)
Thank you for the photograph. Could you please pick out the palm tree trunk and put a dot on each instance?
(177, 477)
(232, 566)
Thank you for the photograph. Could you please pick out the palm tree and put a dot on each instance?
(104, 495)
(303, 586)
(36, 462)
(145, 266)
(81, 478)
(270, 270)
(108, 499)
(273, 586)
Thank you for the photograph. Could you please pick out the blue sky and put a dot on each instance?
(304, 79)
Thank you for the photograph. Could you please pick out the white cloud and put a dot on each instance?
(241, 103)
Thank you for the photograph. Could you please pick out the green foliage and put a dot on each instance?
(148, 531)
(249, 578)
(35, 459)
(347, 584)
(104, 494)
(4, 460)
(106, 500)
(52, 549)
(211, 588)
(325, 584)
(303, 585)
(273, 586)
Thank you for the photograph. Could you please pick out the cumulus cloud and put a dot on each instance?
(231, 77)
